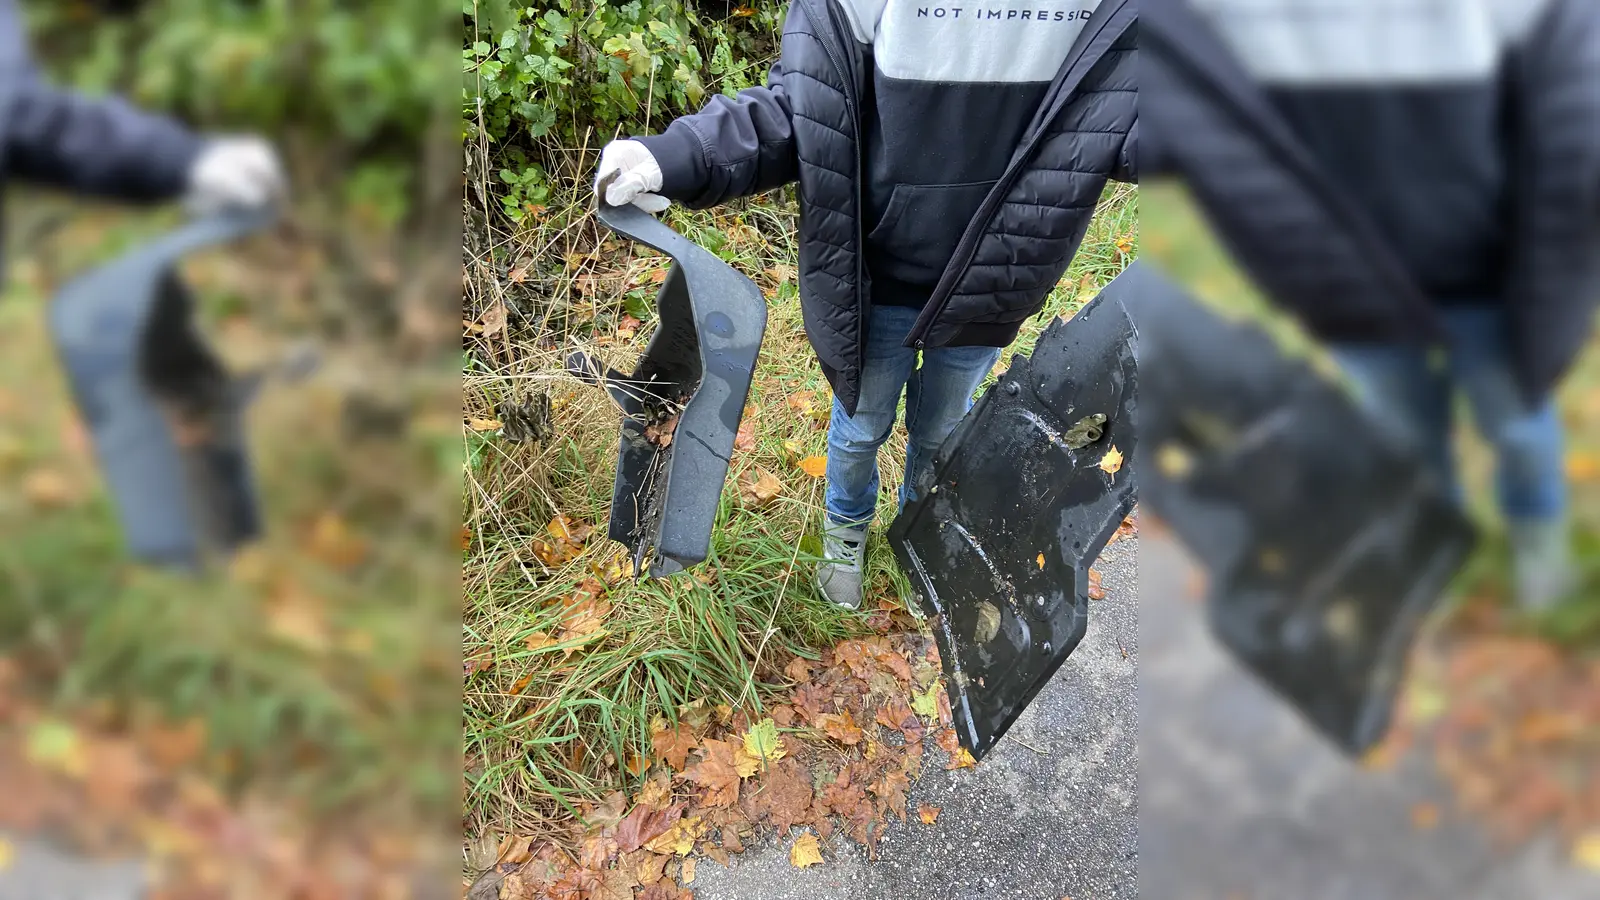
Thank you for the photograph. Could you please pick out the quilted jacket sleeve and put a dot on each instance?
(94, 145)
(1553, 272)
(734, 147)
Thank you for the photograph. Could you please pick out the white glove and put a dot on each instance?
(638, 175)
(235, 173)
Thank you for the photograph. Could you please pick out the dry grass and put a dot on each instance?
(546, 724)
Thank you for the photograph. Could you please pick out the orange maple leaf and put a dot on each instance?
(718, 773)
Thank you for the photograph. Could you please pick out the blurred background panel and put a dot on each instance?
(1488, 782)
(288, 723)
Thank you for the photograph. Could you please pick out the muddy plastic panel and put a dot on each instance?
(164, 417)
(1325, 539)
(999, 541)
(698, 366)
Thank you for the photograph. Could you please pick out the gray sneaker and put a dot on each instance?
(1541, 564)
(840, 576)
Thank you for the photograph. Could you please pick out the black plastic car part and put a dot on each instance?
(682, 403)
(164, 416)
(1023, 496)
(1326, 539)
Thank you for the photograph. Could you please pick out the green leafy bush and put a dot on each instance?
(572, 73)
(365, 75)
(354, 87)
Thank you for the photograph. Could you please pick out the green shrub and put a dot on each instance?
(571, 73)
(366, 75)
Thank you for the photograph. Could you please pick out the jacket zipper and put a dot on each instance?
(852, 109)
(968, 244)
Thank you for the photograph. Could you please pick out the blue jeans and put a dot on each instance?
(1400, 384)
(938, 394)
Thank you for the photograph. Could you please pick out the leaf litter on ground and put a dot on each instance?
(835, 758)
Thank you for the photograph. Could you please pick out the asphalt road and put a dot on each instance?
(36, 871)
(1052, 812)
(1240, 800)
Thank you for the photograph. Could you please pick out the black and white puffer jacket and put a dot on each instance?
(1369, 162)
(809, 124)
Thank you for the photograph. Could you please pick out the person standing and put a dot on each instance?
(1415, 181)
(949, 157)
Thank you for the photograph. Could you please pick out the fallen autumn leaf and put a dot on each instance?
(760, 487)
(805, 852)
(494, 319)
(1112, 461)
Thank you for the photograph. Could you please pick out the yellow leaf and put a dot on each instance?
(334, 542)
(1427, 702)
(680, 838)
(48, 489)
(803, 402)
(54, 744)
(745, 764)
(815, 466)
(564, 529)
(761, 742)
(1041, 560)
(1582, 466)
(961, 759)
(294, 617)
(1173, 461)
(1112, 461)
(7, 854)
(484, 424)
(689, 830)
(1586, 852)
(928, 814)
(805, 852)
(613, 568)
(540, 640)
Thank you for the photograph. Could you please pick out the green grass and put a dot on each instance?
(579, 717)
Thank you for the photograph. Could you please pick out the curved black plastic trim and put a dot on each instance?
(698, 366)
(1326, 540)
(162, 413)
(999, 542)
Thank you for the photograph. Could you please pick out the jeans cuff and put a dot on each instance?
(834, 521)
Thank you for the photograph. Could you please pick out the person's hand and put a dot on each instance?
(235, 173)
(637, 176)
